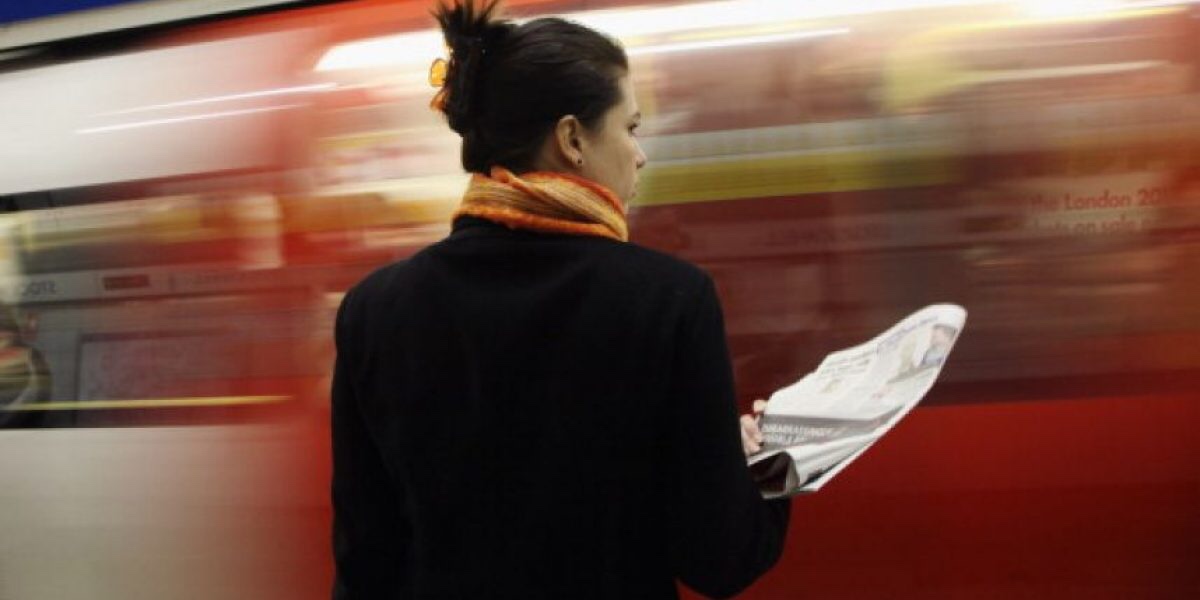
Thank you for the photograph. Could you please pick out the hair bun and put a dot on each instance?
(470, 31)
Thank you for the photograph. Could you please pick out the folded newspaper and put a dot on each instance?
(815, 427)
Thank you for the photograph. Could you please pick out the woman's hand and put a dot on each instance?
(752, 437)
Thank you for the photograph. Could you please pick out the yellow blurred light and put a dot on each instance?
(625, 23)
(1081, 8)
(737, 41)
(1065, 8)
(418, 48)
(392, 50)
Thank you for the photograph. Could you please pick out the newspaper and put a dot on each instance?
(815, 427)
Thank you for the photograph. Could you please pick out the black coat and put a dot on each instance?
(525, 415)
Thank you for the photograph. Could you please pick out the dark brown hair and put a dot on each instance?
(508, 85)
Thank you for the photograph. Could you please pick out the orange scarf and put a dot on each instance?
(545, 201)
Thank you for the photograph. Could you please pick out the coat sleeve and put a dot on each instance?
(722, 534)
(370, 528)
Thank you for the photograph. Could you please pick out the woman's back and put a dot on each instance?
(554, 417)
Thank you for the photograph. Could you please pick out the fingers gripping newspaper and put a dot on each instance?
(815, 427)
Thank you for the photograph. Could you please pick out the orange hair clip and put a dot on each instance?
(437, 79)
(437, 72)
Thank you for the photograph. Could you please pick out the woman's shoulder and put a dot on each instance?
(656, 263)
(377, 283)
(634, 269)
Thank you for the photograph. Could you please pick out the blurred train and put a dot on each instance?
(183, 206)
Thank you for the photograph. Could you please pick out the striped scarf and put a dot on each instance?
(545, 201)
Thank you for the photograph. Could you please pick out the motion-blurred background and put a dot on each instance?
(187, 188)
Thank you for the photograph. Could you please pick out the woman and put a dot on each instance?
(533, 407)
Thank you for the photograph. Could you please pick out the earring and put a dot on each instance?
(579, 162)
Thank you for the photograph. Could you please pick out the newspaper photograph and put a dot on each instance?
(815, 427)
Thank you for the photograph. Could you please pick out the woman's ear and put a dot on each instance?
(568, 138)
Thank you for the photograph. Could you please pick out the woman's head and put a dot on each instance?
(547, 94)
